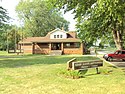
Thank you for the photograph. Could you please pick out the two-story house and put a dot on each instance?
(55, 42)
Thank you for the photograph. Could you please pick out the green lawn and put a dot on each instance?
(39, 74)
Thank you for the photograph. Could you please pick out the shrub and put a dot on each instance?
(75, 74)
(105, 71)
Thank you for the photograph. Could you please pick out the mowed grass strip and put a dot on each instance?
(38, 74)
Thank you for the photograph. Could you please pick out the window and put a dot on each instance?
(77, 45)
(57, 36)
(71, 45)
(67, 44)
(60, 36)
(54, 36)
(123, 52)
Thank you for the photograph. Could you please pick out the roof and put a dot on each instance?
(57, 30)
(57, 40)
(48, 35)
(30, 40)
(71, 38)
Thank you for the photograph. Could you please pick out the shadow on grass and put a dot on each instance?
(87, 75)
(112, 66)
(117, 60)
(26, 61)
(22, 61)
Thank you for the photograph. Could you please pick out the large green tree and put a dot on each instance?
(39, 17)
(14, 35)
(98, 19)
(3, 18)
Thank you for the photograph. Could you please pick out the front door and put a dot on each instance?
(56, 46)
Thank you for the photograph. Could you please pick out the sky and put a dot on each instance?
(11, 4)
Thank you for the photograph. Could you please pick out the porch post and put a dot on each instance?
(50, 47)
(33, 48)
(62, 47)
(82, 48)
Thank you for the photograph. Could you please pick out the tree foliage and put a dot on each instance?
(3, 18)
(98, 19)
(39, 17)
(10, 37)
(14, 35)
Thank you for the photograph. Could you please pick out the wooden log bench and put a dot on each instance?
(84, 65)
(18, 51)
(69, 63)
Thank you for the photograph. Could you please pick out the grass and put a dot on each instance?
(39, 74)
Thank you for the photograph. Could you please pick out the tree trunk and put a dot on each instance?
(117, 35)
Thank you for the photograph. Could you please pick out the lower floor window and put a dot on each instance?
(72, 45)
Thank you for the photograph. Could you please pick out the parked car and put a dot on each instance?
(119, 54)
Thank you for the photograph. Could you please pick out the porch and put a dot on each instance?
(58, 48)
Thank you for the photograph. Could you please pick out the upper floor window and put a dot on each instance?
(54, 36)
(57, 36)
(60, 36)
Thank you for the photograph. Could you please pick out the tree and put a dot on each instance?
(98, 19)
(10, 36)
(3, 18)
(40, 17)
(14, 35)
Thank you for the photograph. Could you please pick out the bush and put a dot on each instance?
(105, 71)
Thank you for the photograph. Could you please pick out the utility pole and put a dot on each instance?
(7, 42)
(15, 41)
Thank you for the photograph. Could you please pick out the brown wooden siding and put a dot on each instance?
(72, 51)
(41, 49)
(27, 48)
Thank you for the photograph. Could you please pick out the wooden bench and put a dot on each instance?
(18, 51)
(11, 51)
(69, 63)
(83, 65)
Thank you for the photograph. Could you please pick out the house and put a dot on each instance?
(55, 42)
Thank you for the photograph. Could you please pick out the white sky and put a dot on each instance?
(11, 4)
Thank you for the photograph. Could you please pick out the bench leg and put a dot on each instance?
(97, 70)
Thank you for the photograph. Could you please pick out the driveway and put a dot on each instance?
(118, 63)
(102, 52)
